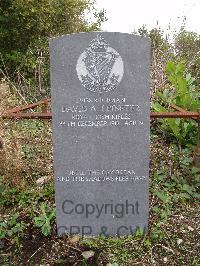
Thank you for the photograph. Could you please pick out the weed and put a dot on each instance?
(44, 220)
(183, 94)
(12, 228)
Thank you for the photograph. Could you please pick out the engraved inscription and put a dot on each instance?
(101, 112)
(114, 175)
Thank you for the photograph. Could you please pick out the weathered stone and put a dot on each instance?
(100, 107)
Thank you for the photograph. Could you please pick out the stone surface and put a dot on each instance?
(88, 254)
(43, 180)
(100, 106)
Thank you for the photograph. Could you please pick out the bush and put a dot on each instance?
(187, 47)
(182, 92)
(26, 25)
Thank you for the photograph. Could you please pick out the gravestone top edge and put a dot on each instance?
(52, 39)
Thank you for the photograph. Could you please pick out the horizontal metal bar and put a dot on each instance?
(28, 106)
(32, 115)
(48, 115)
(193, 115)
(180, 109)
(177, 108)
(16, 112)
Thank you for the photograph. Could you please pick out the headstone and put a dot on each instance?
(101, 120)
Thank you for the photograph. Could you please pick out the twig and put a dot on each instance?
(5, 254)
(7, 78)
(77, 249)
(166, 248)
(35, 252)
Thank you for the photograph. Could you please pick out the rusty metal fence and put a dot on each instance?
(18, 113)
(44, 114)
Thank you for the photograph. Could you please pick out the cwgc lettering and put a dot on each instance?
(100, 107)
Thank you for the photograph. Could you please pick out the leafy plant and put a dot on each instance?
(12, 228)
(44, 220)
(172, 188)
(184, 94)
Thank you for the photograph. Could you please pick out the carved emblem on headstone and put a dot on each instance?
(100, 68)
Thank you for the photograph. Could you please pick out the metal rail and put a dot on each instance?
(27, 106)
(48, 115)
(18, 114)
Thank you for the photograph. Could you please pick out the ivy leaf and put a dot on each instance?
(163, 196)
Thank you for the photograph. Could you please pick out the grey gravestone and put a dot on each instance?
(100, 107)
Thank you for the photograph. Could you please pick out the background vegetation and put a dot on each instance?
(25, 26)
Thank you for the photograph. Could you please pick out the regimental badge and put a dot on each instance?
(100, 68)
